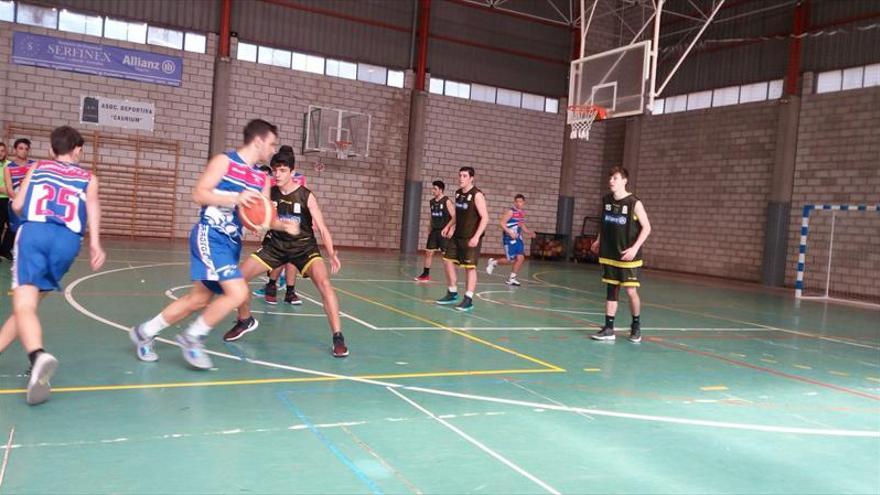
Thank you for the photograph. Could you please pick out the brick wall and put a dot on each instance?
(838, 162)
(361, 198)
(704, 177)
(513, 151)
(47, 97)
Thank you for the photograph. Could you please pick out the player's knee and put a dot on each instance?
(612, 293)
(632, 292)
(195, 302)
(238, 293)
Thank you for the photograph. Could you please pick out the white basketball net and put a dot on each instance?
(583, 121)
(342, 149)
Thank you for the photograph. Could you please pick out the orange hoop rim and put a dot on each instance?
(601, 112)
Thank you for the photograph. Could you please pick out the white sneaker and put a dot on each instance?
(38, 387)
(513, 281)
(491, 266)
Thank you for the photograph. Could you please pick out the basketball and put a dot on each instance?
(258, 216)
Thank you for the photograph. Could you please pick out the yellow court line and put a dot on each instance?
(452, 330)
(592, 370)
(873, 379)
(267, 381)
(713, 388)
(838, 373)
(802, 366)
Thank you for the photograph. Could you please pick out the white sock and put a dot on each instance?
(198, 329)
(154, 326)
(469, 294)
(453, 289)
(512, 275)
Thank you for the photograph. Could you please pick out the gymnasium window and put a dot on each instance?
(7, 11)
(338, 68)
(73, 22)
(37, 16)
(95, 25)
(372, 73)
(720, 97)
(395, 78)
(850, 78)
(168, 38)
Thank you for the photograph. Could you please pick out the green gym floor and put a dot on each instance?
(734, 389)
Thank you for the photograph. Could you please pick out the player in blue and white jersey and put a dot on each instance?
(55, 203)
(513, 225)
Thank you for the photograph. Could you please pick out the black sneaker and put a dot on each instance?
(241, 327)
(449, 298)
(339, 348)
(290, 297)
(467, 304)
(635, 334)
(605, 334)
(271, 295)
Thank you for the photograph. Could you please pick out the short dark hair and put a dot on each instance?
(469, 170)
(2, 144)
(65, 139)
(286, 148)
(440, 185)
(283, 159)
(519, 196)
(619, 170)
(258, 127)
(22, 141)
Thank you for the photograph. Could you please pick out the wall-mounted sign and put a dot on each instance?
(117, 113)
(89, 58)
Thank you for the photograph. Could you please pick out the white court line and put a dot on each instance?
(6, 455)
(477, 443)
(68, 295)
(405, 281)
(170, 294)
(542, 329)
(526, 306)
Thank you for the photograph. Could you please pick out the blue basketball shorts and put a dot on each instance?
(213, 257)
(514, 248)
(43, 253)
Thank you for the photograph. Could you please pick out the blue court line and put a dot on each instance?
(282, 396)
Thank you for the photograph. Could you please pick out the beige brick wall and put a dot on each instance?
(47, 97)
(838, 162)
(361, 198)
(704, 178)
(513, 151)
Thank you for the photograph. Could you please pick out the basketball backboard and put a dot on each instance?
(343, 132)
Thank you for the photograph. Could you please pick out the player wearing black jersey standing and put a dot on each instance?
(465, 234)
(298, 208)
(442, 213)
(624, 228)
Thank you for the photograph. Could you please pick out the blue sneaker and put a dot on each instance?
(144, 345)
(467, 304)
(449, 298)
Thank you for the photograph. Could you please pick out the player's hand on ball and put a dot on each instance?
(628, 254)
(98, 256)
(335, 265)
(473, 241)
(247, 198)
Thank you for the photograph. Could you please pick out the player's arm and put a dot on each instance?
(203, 192)
(629, 253)
(480, 202)
(18, 200)
(450, 226)
(321, 227)
(93, 212)
(529, 233)
(503, 223)
(7, 181)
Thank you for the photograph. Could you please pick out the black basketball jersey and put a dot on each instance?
(439, 213)
(467, 218)
(293, 207)
(620, 228)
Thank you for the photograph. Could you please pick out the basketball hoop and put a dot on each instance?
(582, 118)
(342, 149)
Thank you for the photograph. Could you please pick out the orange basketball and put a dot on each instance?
(258, 216)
